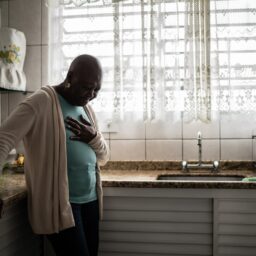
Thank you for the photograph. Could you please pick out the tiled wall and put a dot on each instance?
(226, 138)
(27, 16)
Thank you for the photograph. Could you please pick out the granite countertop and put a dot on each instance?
(12, 189)
(139, 175)
(149, 179)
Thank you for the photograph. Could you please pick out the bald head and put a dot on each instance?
(86, 65)
(84, 76)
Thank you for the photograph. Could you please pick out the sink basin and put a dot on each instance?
(199, 178)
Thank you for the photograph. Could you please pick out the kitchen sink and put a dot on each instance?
(200, 178)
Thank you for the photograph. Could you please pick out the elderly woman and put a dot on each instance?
(63, 150)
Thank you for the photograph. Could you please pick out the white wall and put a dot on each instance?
(224, 139)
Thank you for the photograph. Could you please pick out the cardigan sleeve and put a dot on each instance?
(98, 144)
(100, 148)
(14, 128)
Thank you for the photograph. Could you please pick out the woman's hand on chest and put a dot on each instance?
(83, 130)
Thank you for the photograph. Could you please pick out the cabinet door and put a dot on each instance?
(16, 236)
(235, 227)
(142, 224)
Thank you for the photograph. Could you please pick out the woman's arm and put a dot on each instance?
(100, 147)
(98, 143)
(14, 128)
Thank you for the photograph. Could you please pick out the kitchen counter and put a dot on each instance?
(12, 190)
(138, 175)
(148, 179)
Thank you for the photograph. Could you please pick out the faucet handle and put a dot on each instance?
(216, 165)
(184, 165)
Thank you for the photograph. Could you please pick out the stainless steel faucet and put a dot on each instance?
(199, 144)
(200, 165)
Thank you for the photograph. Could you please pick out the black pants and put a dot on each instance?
(83, 239)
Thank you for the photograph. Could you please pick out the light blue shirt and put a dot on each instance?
(81, 160)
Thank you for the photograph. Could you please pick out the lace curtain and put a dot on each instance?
(161, 59)
(197, 61)
(233, 53)
(56, 3)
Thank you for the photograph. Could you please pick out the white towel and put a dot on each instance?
(12, 56)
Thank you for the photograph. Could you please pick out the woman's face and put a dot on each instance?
(83, 88)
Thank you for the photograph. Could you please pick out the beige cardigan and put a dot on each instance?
(39, 122)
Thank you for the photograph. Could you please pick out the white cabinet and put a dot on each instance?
(184, 222)
(235, 227)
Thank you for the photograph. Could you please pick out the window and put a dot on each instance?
(233, 49)
(153, 58)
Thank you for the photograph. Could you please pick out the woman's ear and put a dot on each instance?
(69, 76)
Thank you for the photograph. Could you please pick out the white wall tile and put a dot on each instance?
(25, 15)
(163, 150)
(129, 130)
(4, 108)
(190, 150)
(15, 98)
(4, 13)
(210, 150)
(208, 131)
(163, 130)
(32, 67)
(127, 150)
(45, 80)
(44, 23)
(105, 135)
(237, 126)
(240, 149)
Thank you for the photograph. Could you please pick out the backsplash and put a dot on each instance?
(226, 138)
